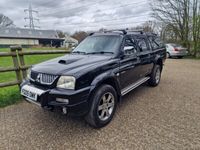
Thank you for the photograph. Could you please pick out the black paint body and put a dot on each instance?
(90, 71)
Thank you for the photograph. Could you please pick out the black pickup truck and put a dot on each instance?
(96, 75)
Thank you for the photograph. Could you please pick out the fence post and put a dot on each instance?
(22, 62)
(13, 50)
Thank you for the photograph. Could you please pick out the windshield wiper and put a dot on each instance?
(101, 52)
(79, 52)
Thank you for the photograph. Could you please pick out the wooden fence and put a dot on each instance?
(19, 65)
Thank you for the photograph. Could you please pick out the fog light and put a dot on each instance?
(62, 100)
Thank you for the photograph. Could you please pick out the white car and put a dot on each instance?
(176, 50)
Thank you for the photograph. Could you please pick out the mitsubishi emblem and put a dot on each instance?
(39, 77)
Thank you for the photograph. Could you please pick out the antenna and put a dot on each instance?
(30, 17)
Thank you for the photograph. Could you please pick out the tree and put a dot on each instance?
(60, 34)
(5, 21)
(196, 27)
(148, 26)
(80, 35)
(181, 19)
(175, 14)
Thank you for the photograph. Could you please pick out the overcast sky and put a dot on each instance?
(72, 15)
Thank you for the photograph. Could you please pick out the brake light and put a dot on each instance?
(176, 49)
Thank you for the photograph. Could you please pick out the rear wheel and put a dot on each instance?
(103, 106)
(155, 76)
(168, 55)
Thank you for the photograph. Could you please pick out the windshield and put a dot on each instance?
(99, 45)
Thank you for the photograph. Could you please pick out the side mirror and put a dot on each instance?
(128, 50)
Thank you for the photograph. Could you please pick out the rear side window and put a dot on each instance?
(156, 43)
(142, 45)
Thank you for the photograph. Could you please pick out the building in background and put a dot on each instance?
(70, 42)
(29, 37)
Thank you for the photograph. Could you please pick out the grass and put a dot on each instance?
(11, 95)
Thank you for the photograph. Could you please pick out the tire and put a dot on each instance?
(104, 102)
(168, 55)
(155, 76)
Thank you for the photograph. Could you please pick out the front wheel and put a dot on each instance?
(104, 102)
(155, 76)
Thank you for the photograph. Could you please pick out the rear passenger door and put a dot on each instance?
(158, 47)
(145, 56)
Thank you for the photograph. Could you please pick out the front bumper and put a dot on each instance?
(77, 99)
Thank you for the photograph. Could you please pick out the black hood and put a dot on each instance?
(70, 64)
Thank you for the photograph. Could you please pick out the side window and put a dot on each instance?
(159, 42)
(129, 47)
(142, 45)
(156, 43)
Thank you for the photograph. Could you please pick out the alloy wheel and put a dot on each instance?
(106, 106)
(157, 77)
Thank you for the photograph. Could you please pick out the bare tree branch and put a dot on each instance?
(5, 21)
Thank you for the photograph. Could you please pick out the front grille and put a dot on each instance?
(43, 78)
(47, 79)
(33, 75)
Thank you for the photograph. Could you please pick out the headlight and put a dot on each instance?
(66, 82)
(28, 76)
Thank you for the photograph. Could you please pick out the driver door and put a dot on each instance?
(129, 63)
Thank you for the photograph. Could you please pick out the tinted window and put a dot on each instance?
(99, 44)
(156, 43)
(142, 45)
(159, 43)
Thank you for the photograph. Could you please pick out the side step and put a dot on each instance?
(134, 85)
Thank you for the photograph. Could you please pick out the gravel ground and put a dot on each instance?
(165, 117)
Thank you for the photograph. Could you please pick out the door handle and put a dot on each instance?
(131, 67)
(123, 72)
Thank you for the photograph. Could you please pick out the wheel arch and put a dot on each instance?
(114, 84)
(106, 79)
(168, 54)
(159, 61)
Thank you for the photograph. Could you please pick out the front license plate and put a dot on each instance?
(31, 92)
